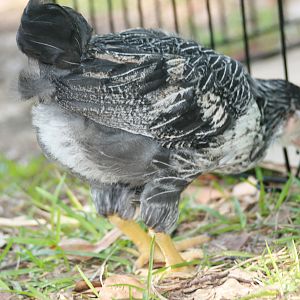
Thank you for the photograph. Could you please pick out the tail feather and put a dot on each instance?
(53, 34)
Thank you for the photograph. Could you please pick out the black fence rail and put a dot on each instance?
(248, 30)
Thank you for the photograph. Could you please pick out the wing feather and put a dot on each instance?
(150, 83)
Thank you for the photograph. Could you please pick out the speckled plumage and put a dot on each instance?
(139, 114)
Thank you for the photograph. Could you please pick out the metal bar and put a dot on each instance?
(125, 13)
(282, 38)
(176, 25)
(266, 179)
(284, 59)
(110, 16)
(92, 14)
(210, 25)
(158, 13)
(140, 10)
(245, 35)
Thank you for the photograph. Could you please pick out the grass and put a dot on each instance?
(32, 263)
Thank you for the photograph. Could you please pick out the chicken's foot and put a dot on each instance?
(189, 243)
(139, 237)
(171, 254)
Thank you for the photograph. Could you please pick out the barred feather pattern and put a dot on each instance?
(157, 85)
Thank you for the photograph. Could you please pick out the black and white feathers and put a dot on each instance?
(161, 86)
(145, 109)
(53, 34)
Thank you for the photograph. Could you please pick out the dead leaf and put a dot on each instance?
(282, 216)
(223, 206)
(230, 289)
(205, 194)
(64, 220)
(204, 294)
(21, 221)
(6, 296)
(62, 296)
(247, 188)
(231, 241)
(83, 245)
(242, 275)
(81, 286)
(119, 287)
(208, 177)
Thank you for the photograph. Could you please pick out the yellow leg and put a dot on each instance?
(139, 237)
(172, 256)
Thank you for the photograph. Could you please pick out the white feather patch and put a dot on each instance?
(57, 134)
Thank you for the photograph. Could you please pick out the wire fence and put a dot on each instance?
(212, 22)
(249, 30)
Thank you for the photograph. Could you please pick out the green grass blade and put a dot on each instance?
(212, 212)
(3, 286)
(150, 270)
(13, 272)
(284, 193)
(84, 223)
(239, 212)
(37, 294)
(33, 241)
(73, 199)
(275, 266)
(262, 194)
(87, 281)
(34, 259)
(6, 250)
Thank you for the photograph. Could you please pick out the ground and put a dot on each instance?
(55, 246)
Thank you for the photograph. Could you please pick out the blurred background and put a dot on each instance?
(215, 23)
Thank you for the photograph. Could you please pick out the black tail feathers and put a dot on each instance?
(53, 34)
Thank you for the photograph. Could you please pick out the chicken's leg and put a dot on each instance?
(139, 237)
(171, 254)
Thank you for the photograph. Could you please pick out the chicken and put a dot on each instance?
(141, 113)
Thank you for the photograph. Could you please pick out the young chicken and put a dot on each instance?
(141, 113)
